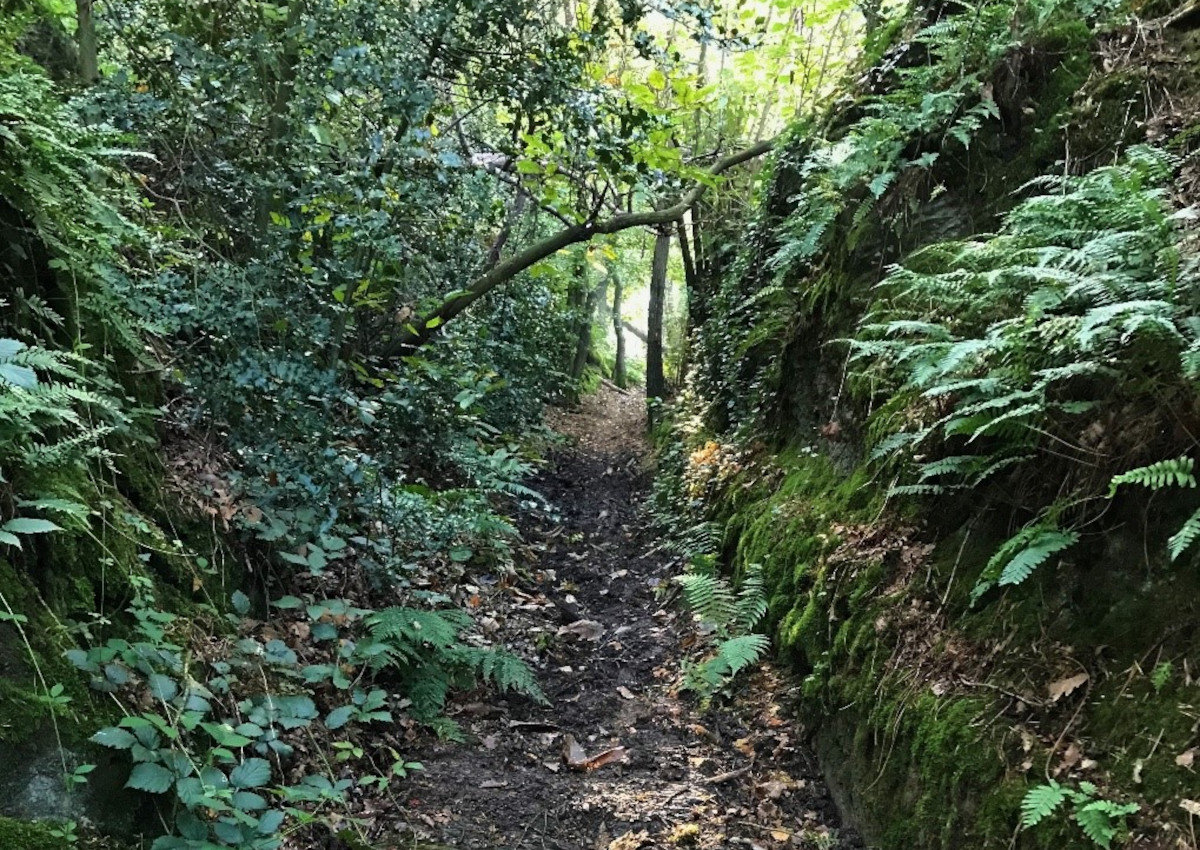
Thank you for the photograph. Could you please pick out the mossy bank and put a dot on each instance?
(936, 709)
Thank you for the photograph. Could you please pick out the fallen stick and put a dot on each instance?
(725, 777)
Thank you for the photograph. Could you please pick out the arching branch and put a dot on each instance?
(423, 329)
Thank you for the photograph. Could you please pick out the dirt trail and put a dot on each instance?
(588, 614)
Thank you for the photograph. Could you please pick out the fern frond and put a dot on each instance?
(416, 626)
(1040, 802)
(1044, 544)
(709, 597)
(1176, 472)
(1183, 539)
(751, 605)
(1102, 820)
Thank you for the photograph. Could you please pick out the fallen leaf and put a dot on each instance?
(1063, 687)
(1190, 806)
(493, 783)
(586, 629)
(625, 692)
(780, 835)
(533, 725)
(745, 746)
(1186, 758)
(614, 756)
(577, 758)
(629, 841)
(1071, 757)
(573, 754)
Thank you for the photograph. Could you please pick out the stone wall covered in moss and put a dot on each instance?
(934, 713)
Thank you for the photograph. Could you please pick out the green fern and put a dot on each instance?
(1040, 802)
(730, 618)
(710, 598)
(1177, 472)
(751, 605)
(426, 651)
(1021, 554)
(1046, 543)
(1183, 539)
(1101, 820)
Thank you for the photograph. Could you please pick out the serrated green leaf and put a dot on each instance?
(152, 778)
(114, 738)
(252, 773)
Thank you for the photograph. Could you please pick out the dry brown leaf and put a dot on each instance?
(1192, 807)
(625, 692)
(780, 835)
(629, 841)
(613, 756)
(745, 746)
(577, 758)
(1071, 757)
(1064, 687)
(1186, 758)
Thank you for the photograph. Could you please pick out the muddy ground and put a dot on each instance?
(592, 610)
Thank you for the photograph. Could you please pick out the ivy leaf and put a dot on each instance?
(152, 778)
(252, 773)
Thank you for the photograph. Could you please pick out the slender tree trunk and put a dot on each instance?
(619, 376)
(691, 293)
(583, 343)
(89, 60)
(656, 382)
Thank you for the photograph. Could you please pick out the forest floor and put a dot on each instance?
(617, 759)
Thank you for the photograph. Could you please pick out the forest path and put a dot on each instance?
(587, 612)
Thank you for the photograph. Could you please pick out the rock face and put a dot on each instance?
(33, 787)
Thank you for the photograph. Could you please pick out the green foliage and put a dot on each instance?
(999, 350)
(1021, 554)
(728, 618)
(424, 649)
(1101, 820)
(1177, 472)
(207, 735)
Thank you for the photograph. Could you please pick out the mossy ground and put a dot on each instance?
(20, 835)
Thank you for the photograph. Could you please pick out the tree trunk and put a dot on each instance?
(691, 293)
(656, 382)
(619, 376)
(583, 343)
(89, 60)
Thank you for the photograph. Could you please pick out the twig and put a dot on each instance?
(727, 775)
